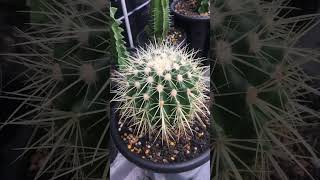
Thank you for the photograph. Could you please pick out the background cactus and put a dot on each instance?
(160, 21)
(162, 92)
(259, 84)
(203, 6)
(67, 56)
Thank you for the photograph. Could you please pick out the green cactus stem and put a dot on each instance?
(122, 53)
(160, 22)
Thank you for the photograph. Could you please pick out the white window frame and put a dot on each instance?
(125, 17)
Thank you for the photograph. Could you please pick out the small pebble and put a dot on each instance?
(133, 141)
(147, 151)
(148, 146)
(139, 143)
(197, 129)
(165, 161)
(143, 157)
(130, 129)
(195, 148)
(172, 158)
(158, 154)
(188, 152)
(129, 146)
(119, 129)
(172, 143)
(176, 152)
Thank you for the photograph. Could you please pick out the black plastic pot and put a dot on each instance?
(197, 29)
(146, 164)
(143, 39)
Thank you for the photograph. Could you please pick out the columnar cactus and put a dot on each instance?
(162, 92)
(119, 48)
(258, 83)
(160, 21)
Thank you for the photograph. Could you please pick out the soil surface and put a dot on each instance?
(183, 149)
(189, 8)
(175, 36)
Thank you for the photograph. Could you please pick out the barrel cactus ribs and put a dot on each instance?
(162, 91)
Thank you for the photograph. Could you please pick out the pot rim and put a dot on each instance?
(191, 18)
(147, 164)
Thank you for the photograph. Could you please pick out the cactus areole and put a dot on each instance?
(162, 95)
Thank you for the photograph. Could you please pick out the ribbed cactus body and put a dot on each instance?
(118, 39)
(79, 56)
(67, 54)
(258, 80)
(162, 90)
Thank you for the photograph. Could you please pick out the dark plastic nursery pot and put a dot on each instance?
(197, 29)
(149, 165)
(143, 39)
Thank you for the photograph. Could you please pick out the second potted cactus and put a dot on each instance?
(194, 17)
(160, 26)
